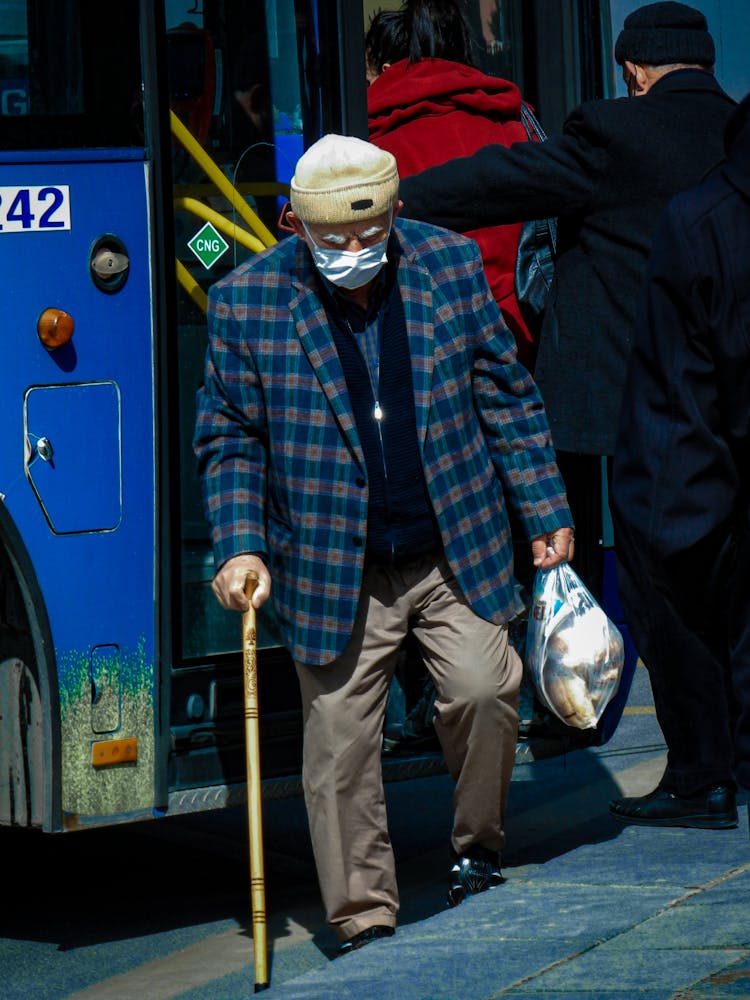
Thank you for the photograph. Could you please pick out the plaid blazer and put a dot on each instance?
(279, 456)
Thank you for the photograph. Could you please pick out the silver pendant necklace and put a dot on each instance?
(372, 361)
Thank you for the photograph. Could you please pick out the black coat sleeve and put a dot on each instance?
(499, 184)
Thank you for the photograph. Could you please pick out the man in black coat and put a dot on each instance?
(606, 177)
(681, 494)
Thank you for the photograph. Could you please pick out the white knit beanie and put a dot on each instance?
(342, 179)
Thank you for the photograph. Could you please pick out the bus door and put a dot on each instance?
(77, 681)
(251, 86)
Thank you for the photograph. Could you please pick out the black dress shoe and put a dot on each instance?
(715, 809)
(364, 937)
(476, 871)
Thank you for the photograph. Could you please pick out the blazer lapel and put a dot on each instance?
(312, 326)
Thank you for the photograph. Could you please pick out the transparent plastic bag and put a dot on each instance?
(574, 653)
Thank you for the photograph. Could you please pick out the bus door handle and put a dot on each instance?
(40, 448)
(109, 264)
(44, 449)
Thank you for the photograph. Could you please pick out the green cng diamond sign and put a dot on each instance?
(208, 245)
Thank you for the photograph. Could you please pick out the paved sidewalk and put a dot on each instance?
(658, 927)
(591, 909)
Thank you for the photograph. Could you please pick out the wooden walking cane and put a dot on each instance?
(254, 808)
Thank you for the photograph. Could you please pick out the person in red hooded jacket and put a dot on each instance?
(427, 103)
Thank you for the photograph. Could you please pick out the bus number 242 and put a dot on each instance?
(34, 209)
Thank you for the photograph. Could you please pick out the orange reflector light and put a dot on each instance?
(114, 752)
(55, 328)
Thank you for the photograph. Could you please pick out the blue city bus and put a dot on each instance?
(146, 151)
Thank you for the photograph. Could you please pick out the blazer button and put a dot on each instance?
(358, 541)
(360, 480)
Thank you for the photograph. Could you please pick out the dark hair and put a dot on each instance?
(421, 29)
(387, 39)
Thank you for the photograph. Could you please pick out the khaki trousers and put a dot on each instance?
(477, 675)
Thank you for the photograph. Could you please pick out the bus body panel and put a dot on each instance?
(77, 463)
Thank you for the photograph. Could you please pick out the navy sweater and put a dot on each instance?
(400, 523)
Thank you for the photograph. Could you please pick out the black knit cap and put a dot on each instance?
(663, 33)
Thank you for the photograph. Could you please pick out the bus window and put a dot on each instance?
(14, 60)
(53, 58)
(552, 51)
(497, 28)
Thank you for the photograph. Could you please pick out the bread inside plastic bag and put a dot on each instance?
(574, 653)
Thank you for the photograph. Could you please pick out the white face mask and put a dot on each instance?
(348, 268)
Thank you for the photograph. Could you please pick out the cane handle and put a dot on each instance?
(251, 582)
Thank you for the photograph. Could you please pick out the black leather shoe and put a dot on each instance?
(364, 937)
(476, 871)
(715, 809)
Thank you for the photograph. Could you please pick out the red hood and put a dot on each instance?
(437, 86)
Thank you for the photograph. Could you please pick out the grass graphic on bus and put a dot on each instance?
(122, 788)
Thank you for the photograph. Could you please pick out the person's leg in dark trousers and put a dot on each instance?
(687, 678)
(739, 649)
(721, 613)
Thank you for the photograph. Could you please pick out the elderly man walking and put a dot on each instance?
(362, 430)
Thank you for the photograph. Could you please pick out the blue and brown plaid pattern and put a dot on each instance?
(279, 455)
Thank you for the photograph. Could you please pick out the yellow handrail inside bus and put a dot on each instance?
(260, 189)
(234, 232)
(219, 178)
(192, 287)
